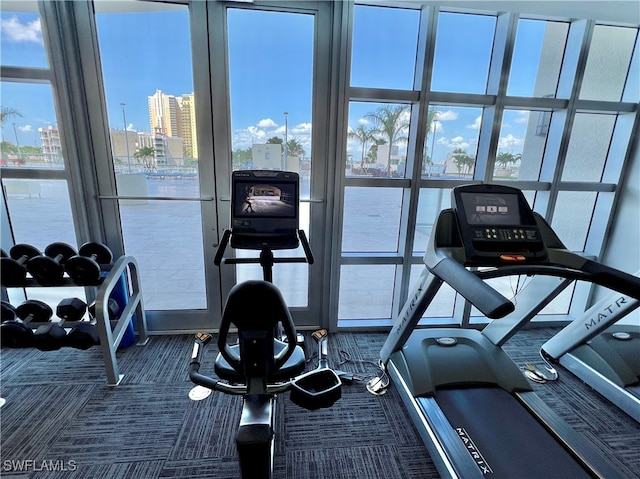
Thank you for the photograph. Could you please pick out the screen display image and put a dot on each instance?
(264, 200)
(491, 209)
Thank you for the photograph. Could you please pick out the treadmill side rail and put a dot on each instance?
(595, 320)
(621, 397)
(447, 451)
(586, 453)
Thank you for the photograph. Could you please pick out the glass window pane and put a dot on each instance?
(150, 100)
(30, 135)
(444, 300)
(451, 142)
(165, 237)
(371, 219)
(292, 279)
(384, 47)
(537, 58)
(366, 292)
(523, 136)
(588, 147)
(431, 202)
(21, 36)
(271, 89)
(40, 212)
(572, 217)
(608, 63)
(463, 45)
(559, 305)
(377, 139)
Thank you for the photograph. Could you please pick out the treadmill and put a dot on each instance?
(603, 352)
(472, 406)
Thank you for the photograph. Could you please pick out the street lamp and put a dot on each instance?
(15, 132)
(434, 122)
(286, 145)
(126, 139)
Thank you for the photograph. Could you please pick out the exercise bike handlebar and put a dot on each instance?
(202, 339)
(224, 241)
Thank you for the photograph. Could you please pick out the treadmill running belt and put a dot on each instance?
(505, 440)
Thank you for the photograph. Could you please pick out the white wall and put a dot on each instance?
(623, 248)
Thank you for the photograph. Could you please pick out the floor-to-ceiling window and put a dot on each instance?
(130, 135)
(439, 98)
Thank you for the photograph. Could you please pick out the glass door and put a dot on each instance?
(271, 54)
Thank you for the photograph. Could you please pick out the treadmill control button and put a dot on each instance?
(447, 341)
(621, 335)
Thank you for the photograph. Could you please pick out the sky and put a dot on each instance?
(271, 70)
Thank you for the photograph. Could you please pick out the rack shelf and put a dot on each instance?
(112, 332)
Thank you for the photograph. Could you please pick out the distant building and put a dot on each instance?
(168, 151)
(173, 116)
(51, 147)
(267, 156)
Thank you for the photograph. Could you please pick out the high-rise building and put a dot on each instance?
(164, 113)
(189, 134)
(174, 117)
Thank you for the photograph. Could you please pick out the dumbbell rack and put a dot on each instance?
(112, 332)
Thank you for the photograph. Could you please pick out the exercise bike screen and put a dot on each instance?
(265, 200)
(491, 209)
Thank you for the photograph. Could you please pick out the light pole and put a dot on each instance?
(434, 122)
(286, 145)
(15, 132)
(126, 139)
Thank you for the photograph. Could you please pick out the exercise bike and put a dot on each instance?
(266, 360)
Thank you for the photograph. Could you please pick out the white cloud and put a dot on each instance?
(266, 123)
(523, 116)
(455, 142)
(301, 129)
(363, 121)
(509, 141)
(448, 115)
(437, 127)
(476, 123)
(26, 129)
(256, 132)
(15, 31)
(130, 127)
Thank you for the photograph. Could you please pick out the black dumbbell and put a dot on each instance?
(112, 307)
(84, 269)
(52, 336)
(16, 333)
(8, 312)
(48, 270)
(84, 334)
(14, 270)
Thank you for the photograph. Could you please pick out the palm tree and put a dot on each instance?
(294, 148)
(146, 156)
(6, 113)
(364, 135)
(463, 160)
(390, 121)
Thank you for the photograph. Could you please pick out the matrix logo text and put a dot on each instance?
(24, 465)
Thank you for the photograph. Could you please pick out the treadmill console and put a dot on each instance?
(497, 226)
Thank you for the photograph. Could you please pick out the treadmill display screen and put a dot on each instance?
(491, 209)
(497, 225)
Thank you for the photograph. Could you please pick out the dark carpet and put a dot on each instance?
(62, 420)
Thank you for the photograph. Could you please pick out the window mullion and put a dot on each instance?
(499, 69)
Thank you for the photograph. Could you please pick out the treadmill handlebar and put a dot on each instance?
(612, 278)
(489, 301)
